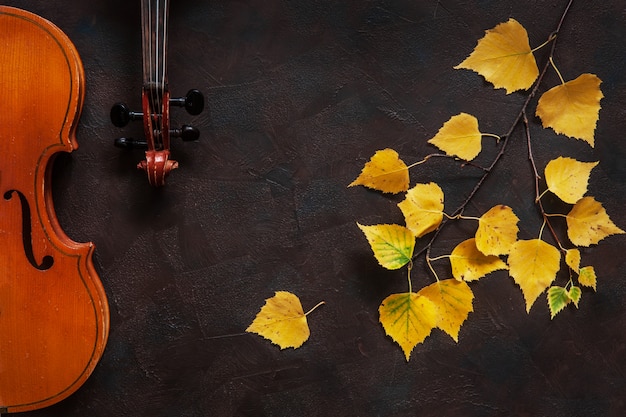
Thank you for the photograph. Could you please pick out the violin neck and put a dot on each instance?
(154, 15)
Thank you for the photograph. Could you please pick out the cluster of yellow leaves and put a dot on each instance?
(504, 57)
(408, 318)
(533, 264)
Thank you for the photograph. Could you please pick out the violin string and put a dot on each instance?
(155, 22)
(157, 32)
(164, 63)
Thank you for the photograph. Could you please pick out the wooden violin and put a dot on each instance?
(54, 315)
(155, 99)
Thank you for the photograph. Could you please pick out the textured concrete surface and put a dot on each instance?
(301, 94)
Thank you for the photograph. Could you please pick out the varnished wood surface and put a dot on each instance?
(53, 310)
(301, 93)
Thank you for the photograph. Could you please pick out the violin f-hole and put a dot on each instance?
(27, 238)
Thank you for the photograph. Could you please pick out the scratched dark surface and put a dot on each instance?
(301, 94)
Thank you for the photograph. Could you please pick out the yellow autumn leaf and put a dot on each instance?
(470, 264)
(587, 277)
(282, 321)
(568, 178)
(533, 264)
(572, 108)
(385, 172)
(423, 208)
(408, 319)
(497, 230)
(459, 136)
(503, 56)
(392, 244)
(588, 223)
(453, 303)
(572, 259)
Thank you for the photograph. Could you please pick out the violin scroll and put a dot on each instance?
(155, 99)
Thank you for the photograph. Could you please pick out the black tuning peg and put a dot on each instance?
(186, 133)
(193, 102)
(130, 143)
(121, 115)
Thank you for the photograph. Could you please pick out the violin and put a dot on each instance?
(156, 100)
(54, 315)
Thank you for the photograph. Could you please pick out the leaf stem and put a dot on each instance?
(409, 268)
(557, 70)
(492, 135)
(426, 158)
(550, 39)
(556, 215)
(543, 225)
(460, 216)
(314, 307)
(540, 195)
(436, 258)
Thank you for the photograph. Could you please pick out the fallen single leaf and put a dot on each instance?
(497, 230)
(588, 223)
(459, 136)
(423, 208)
(572, 259)
(533, 264)
(470, 264)
(453, 303)
(503, 56)
(385, 172)
(392, 244)
(568, 178)
(408, 319)
(587, 277)
(558, 298)
(282, 321)
(572, 108)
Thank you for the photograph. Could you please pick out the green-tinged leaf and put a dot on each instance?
(587, 277)
(453, 303)
(408, 319)
(423, 208)
(574, 294)
(558, 298)
(470, 264)
(392, 244)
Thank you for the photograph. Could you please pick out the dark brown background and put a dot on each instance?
(301, 94)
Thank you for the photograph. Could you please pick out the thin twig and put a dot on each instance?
(506, 136)
(538, 201)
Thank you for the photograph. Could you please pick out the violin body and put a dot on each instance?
(54, 316)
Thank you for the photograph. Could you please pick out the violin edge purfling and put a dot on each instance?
(54, 314)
